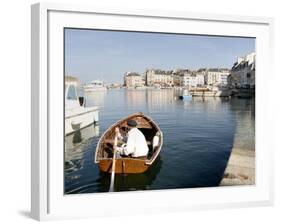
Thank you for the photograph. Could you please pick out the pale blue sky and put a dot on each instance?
(107, 55)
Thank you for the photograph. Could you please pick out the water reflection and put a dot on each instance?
(198, 138)
(73, 141)
(141, 181)
(135, 98)
(161, 99)
(74, 147)
(128, 182)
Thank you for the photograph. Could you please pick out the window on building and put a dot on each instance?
(248, 75)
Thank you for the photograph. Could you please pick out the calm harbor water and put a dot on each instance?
(198, 138)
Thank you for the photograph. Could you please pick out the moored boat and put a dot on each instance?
(205, 92)
(95, 85)
(186, 95)
(104, 149)
(77, 116)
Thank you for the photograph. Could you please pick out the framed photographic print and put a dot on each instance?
(167, 109)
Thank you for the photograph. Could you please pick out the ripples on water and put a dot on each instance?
(198, 138)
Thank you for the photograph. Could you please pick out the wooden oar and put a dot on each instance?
(111, 188)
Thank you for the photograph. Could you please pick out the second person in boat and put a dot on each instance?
(135, 143)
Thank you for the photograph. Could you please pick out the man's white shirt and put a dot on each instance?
(136, 144)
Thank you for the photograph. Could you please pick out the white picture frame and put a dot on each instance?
(48, 200)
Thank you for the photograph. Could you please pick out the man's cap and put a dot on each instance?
(132, 123)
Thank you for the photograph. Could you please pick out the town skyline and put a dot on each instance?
(108, 55)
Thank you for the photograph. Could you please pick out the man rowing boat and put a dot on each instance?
(135, 145)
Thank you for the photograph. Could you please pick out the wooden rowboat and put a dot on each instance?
(103, 155)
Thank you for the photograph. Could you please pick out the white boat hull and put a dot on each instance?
(75, 121)
(211, 93)
(94, 89)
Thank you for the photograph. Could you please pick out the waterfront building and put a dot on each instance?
(200, 79)
(178, 77)
(187, 78)
(224, 78)
(202, 72)
(193, 80)
(216, 76)
(157, 77)
(243, 72)
(184, 79)
(181, 77)
(133, 80)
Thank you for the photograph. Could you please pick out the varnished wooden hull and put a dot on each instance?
(124, 165)
(103, 155)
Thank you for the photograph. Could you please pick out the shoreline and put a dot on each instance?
(240, 169)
